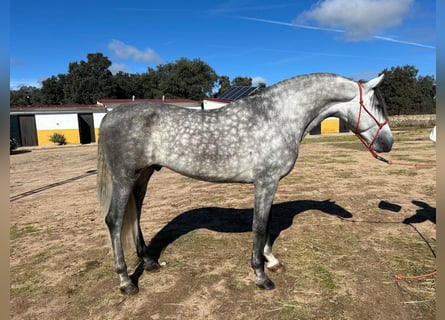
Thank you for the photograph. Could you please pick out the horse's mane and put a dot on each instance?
(379, 101)
(300, 78)
(294, 80)
(311, 75)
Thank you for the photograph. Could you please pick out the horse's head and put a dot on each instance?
(371, 119)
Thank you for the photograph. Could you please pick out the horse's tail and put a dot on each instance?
(104, 192)
(104, 186)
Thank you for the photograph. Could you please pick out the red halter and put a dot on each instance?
(380, 125)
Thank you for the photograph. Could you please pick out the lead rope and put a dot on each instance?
(420, 276)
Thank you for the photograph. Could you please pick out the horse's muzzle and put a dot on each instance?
(383, 143)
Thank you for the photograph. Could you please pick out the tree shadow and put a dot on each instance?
(229, 220)
(424, 213)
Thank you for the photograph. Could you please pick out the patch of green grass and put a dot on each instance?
(43, 256)
(16, 232)
(353, 146)
(429, 190)
(20, 291)
(325, 277)
(331, 159)
(25, 282)
(411, 134)
(290, 309)
(28, 277)
(403, 172)
(100, 274)
(346, 161)
(413, 255)
(411, 160)
(416, 128)
(327, 138)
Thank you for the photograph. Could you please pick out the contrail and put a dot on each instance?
(290, 24)
(404, 42)
(334, 30)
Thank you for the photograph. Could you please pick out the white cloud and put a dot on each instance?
(359, 19)
(121, 50)
(257, 80)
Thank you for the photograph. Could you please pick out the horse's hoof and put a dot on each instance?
(278, 268)
(266, 285)
(129, 289)
(152, 266)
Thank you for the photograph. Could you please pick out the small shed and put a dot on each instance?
(33, 125)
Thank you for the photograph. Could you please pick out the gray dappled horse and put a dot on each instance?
(252, 140)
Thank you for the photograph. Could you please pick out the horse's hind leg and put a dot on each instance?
(114, 220)
(139, 191)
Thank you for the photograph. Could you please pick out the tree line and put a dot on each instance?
(405, 92)
(91, 80)
(88, 81)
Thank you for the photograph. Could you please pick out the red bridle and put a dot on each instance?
(380, 125)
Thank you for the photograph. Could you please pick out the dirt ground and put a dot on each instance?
(345, 223)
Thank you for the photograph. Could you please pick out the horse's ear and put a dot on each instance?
(371, 84)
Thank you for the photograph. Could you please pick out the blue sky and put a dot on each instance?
(268, 40)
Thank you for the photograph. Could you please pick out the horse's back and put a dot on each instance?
(210, 145)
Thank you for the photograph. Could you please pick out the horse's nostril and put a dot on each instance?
(385, 145)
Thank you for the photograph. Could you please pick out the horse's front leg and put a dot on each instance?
(264, 194)
(272, 263)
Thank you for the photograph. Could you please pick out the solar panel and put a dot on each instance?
(238, 92)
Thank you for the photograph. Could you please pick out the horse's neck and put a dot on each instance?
(305, 108)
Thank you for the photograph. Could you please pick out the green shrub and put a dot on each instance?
(57, 138)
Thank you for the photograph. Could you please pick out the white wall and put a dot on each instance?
(56, 121)
(209, 104)
(97, 118)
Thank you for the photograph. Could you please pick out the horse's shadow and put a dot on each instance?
(230, 220)
(424, 213)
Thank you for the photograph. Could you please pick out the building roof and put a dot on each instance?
(100, 106)
(111, 103)
(103, 101)
(55, 108)
(218, 100)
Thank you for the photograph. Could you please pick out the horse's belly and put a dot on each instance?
(213, 171)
